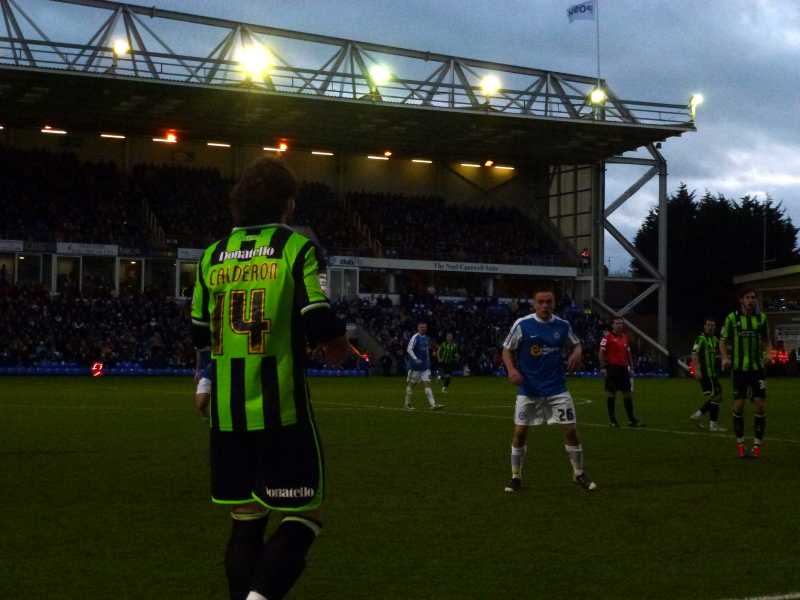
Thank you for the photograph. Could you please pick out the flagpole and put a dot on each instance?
(597, 37)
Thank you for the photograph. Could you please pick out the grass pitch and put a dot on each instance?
(104, 495)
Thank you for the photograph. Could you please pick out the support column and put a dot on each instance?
(662, 252)
(598, 288)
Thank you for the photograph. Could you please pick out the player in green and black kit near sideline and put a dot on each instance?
(746, 331)
(704, 359)
(257, 302)
(447, 354)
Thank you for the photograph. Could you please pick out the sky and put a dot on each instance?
(742, 55)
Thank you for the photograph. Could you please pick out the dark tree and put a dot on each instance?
(710, 241)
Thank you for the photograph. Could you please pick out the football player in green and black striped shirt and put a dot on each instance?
(745, 330)
(257, 302)
(704, 359)
(447, 354)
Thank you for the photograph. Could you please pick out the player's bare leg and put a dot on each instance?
(572, 444)
(519, 450)
(429, 395)
(409, 392)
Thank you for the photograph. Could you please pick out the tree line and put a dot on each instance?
(711, 240)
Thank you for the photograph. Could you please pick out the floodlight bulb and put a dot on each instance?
(490, 85)
(283, 146)
(598, 96)
(171, 137)
(255, 60)
(695, 101)
(380, 74)
(121, 47)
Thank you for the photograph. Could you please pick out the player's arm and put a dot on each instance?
(766, 340)
(727, 329)
(201, 320)
(410, 348)
(697, 348)
(509, 349)
(601, 355)
(629, 354)
(323, 328)
(576, 354)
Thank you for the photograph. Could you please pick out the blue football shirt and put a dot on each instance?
(418, 352)
(539, 349)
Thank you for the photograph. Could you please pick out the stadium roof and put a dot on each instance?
(432, 104)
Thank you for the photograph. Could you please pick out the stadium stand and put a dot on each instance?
(147, 330)
(49, 196)
(428, 228)
(52, 196)
(479, 326)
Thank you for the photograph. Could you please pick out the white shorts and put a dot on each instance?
(204, 386)
(417, 376)
(558, 409)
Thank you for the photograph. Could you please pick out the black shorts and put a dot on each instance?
(447, 369)
(282, 469)
(618, 379)
(750, 384)
(711, 386)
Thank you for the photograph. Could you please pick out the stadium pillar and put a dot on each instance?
(655, 272)
(598, 231)
(662, 246)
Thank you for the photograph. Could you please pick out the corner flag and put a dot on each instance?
(584, 11)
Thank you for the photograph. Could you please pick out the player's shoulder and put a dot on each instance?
(524, 320)
(561, 321)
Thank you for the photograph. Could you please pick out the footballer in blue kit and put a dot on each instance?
(418, 356)
(533, 356)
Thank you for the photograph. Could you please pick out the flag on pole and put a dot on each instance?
(585, 11)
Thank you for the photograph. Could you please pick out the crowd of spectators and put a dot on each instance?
(478, 325)
(191, 204)
(423, 227)
(53, 196)
(48, 196)
(147, 329)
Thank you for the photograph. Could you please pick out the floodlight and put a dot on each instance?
(283, 146)
(598, 96)
(254, 60)
(488, 163)
(470, 165)
(112, 136)
(388, 153)
(121, 47)
(490, 85)
(695, 101)
(380, 74)
(48, 129)
(423, 161)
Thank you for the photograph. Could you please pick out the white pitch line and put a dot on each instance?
(344, 406)
(789, 596)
